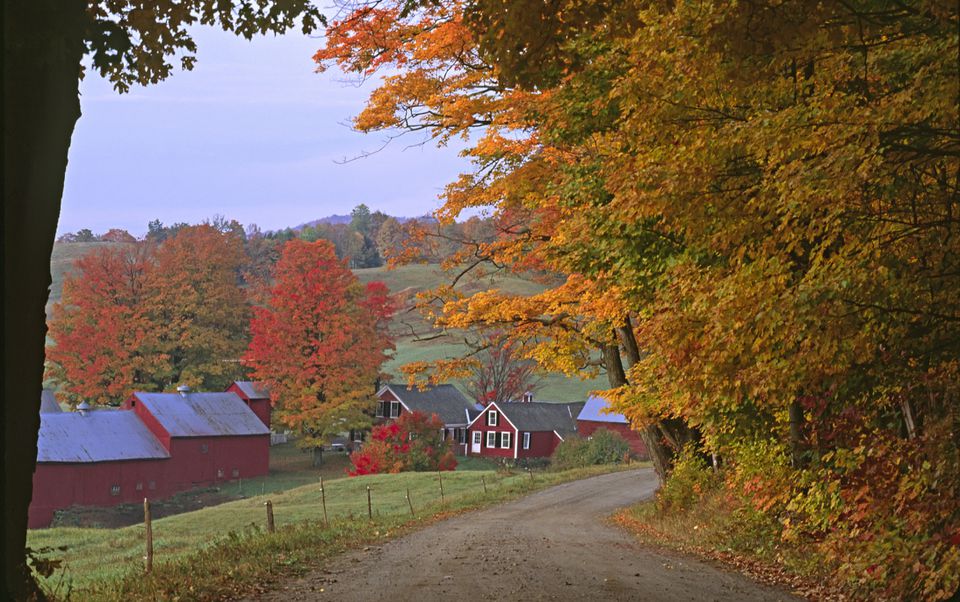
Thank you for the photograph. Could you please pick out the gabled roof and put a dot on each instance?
(446, 401)
(595, 410)
(253, 389)
(202, 414)
(98, 436)
(48, 403)
(543, 416)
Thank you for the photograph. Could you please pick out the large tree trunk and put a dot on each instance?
(43, 47)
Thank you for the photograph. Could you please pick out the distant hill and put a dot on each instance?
(345, 219)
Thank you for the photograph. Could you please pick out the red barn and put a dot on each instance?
(94, 458)
(528, 429)
(596, 414)
(210, 436)
(446, 401)
(256, 396)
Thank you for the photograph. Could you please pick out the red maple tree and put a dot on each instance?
(412, 442)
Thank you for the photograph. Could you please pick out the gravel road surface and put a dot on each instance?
(550, 545)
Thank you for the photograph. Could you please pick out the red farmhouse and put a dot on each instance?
(94, 458)
(596, 414)
(528, 429)
(256, 396)
(210, 436)
(446, 401)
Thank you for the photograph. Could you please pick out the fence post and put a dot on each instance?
(148, 523)
(530, 472)
(440, 476)
(323, 500)
(270, 526)
(412, 513)
(484, 481)
(369, 505)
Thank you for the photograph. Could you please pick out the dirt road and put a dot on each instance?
(551, 545)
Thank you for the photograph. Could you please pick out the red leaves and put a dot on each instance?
(412, 442)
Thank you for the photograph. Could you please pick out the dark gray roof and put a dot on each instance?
(542, 416)
(596, 410)
(48, 403)
(446, 401)
(202, 414)
(98, 436)
(253, 390)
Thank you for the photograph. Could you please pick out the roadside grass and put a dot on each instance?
(222, 552)
(719, 528)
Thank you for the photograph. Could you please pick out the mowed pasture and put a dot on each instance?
(107, 554)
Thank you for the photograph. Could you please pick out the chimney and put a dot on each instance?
(527, 397)
(83, 408)
(183, 390)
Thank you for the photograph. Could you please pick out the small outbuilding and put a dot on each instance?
(596, 414)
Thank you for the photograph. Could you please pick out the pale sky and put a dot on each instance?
(252, 133)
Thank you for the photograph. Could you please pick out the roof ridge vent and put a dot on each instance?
(83, 408)
(183, 390)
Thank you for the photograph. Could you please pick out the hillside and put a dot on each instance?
(405, 281)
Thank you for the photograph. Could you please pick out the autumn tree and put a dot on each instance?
(499, 373)
(319, 342)
(754, 210)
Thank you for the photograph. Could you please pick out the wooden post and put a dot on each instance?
(484, 481)
(410, 504)
(323, 500)
(440, 476)
(270, 526)
(148, 523)
(369, 505)
(530, 472)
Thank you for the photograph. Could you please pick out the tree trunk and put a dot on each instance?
(616, 376)
(43, 47)
(796, 433)
(318, 456)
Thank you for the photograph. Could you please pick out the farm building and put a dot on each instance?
(446, 401)
(210, 436)
(94, 458)
(596, 414)
(522, 429)
(256, 396)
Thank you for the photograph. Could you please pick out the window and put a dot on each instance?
(380, 409)
(505, 441)
(115, 490)
(394, 409)
(461, 435)
(492, 418)
(140, 486)
(219, 473)
(236, 472)
(491, 439)
(477, 437)
(526, 441)
(203, 448)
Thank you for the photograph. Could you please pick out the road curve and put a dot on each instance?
(550, 545)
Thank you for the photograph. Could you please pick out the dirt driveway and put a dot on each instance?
(551, 545)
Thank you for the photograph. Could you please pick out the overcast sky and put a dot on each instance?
(252, 133)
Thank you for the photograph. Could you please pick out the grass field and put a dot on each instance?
(107, 554)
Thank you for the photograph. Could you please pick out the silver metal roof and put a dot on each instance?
(48, 403)
(596, 410)
(202, 414)
(99, 436)
(253, 390)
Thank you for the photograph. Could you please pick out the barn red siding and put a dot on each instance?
(260, 407)
(190, 465)
(586, 428)
(151, 423)
(503, 426)
(542, 444)
(60, 485)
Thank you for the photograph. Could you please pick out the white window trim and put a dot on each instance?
(526, 440)
(491, 439)
(492, 418)
(394, 404)
(505, 440)
(477, 437)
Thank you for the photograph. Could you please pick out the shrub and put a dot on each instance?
(686, 484)
(412, 442)
(603, 447)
